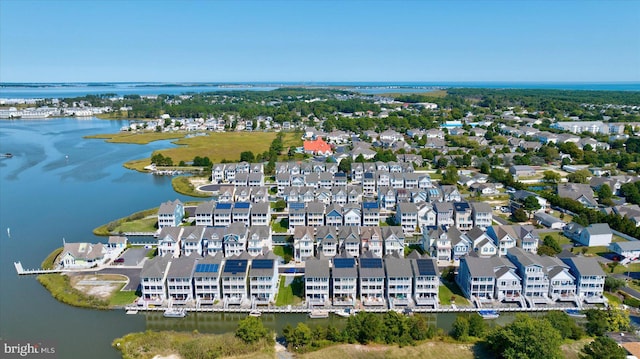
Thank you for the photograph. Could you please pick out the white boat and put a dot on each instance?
(318, 314)
(345, 313)
(9, 232)
(575, 313)
(175, 313)
(255, 313)
(489, 314)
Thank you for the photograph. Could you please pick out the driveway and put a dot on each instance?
(133, 256)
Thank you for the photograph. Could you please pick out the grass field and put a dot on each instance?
(122, 298)
(183, 185)
(558, 236)
(286, 252)
(451, 290)
(428, 350)
(138, 138)
(290, 294)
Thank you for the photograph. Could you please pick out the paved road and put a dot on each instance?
(500, 220)
(132, 273)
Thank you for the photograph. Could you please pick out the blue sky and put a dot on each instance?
(241, 41)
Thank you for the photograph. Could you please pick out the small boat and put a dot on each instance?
(175, 313)
(132, 311)
(345, 313)
(7, 155)
(9, 232)
(576, 313)
(255, 313)
(489, 314)
(318, 314)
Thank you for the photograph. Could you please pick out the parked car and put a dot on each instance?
(119, 260)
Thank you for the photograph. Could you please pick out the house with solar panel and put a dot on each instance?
(371, 238)
(169, 241)
(222, 214)
(462, 216)
(204, 213)
(259, 240)
(344, 280)
(263, 279)
(260, 214)
(426, 280)
(234, 281)
(213, 240)
(303, 243)
(368, 183)
(399, 283)
(316, 281)
(170, 214)
(371, 275)
(235, 239)
(152, 280)
(206, 279)
(370, 214)
(393, 240)
(191, 240)
(327, 241)
(241, 213)
(297, 215)
(180, 279)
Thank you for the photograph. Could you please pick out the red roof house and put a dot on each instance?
(317, 147)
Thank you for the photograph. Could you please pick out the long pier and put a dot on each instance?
(22, 271)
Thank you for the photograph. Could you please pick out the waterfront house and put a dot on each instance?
(393, 240)
(241, 213)
(169, 241)
(81, 255)
(426, 281)
(535, 280)
(596, 234)
(117, 243)
(589, 278)
(234, 281)
(371, 240)
(371, 275)
(562, 285)
(204, 213)
(152, 280)
(476, 278)
(327, 241)
(399, 284)
(170, 214)
(180, 279)
(213, 240)
(316, 281)
(263, 279)
(206, 279)
(191, 240)
(259, 240)
(303, 243)
(344, 280)
(508, 285)
(235, 239)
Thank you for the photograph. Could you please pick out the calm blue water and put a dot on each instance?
(74, 89)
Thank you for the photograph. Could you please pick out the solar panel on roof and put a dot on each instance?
(425, 267)
(207, 268)
(262, 263)
(370, 205)
(235, 266)
(344, 263)
(243, 205)
(296, 205)
(370, 263)
(223, 206)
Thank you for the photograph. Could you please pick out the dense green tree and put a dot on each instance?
(477, 326)
(345, 165)
(613, 284)
(551, 176)
(251, 329)
(552, 243)
(519, 215)
(531, 204)
(450, 176)
(605, 193)
(602, 321)
(603, 347)
(581, 176)
(460, 328)
(247, 156)
(565, 325)
(526, 338)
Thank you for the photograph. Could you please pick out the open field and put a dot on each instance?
(431, 349)
(139, 138)
(451, 290)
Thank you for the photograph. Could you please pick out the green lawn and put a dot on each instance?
(613, 299)
(122, 298)
(558, 236)
(141, 225)
(449, 290)
(291, 294)
(286, 252)
(280, 226)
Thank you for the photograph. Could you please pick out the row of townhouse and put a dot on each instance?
(222, 214)
(461, 215)
(450, 244)
(232, 240)
(375, 281)
(230, 172)
(355, 241)
(197, 280)
(316, 214)
(528, 279)
(323, 180)
(255, 194)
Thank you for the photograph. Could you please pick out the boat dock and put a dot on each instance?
(22, 271)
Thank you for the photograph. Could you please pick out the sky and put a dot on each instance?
(319, 41)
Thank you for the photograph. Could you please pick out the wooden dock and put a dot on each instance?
(22, 271)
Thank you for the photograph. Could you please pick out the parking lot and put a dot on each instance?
(133, 256)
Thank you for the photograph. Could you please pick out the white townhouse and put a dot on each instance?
(191, 240)
(297, 215)
(169, 241)
(316, 281)
(344, 280)
(371, 238)
(372, 276)
(426, 280)
(206, 279)
(180, 280)
(463, 218)
(315, 214)
(589, 278)
(481, 214)
(170, 214)
(393, 240)
(562, 285)
(213, 240)
(263, 279)
(349, 240)
(444, 213)
(508, 285)
(204, 213)
(235, 239)
(327, 241)
(234, 281)
(535, 279)
(334, 215)
(152, 281)
(399, 281)
(259, 240)
(370, 214)
(222, 214)
(352, 215)
(407, 217)
(303, 243)
(240, 213)
(476, 279)
(82, 255)
(260, 214)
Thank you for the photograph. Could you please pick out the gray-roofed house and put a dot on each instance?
(117, 242)
(206, 279)
(234, 281)
(191, 240)
(562, 285)
(81, 255)
(315, 214)
(241, 212)
(426, 279)
(549, 221)
(204, 213)
(213, 240)
(589, 278)
(235, 239)
(263, 280)
(508, 284)
(630, 250)
(303, 243)
(169, 241)
(316, 281)
(399, 280)
(260, 214)
(407, 217)
(476, 278)
(344, 280)
(371, 274)
(349, 240)
(596, 234)
(578, 192)
(444, 213)
(327, 241)
(222, 214)
(481, 214)
(393, 240)
(535, 281)
(180, 279)
(170, 214)
(153, 280)
(371, 238)
(259, 240)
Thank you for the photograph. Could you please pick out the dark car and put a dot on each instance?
(119, 260)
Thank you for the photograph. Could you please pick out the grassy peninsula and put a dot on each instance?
(143, 221)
